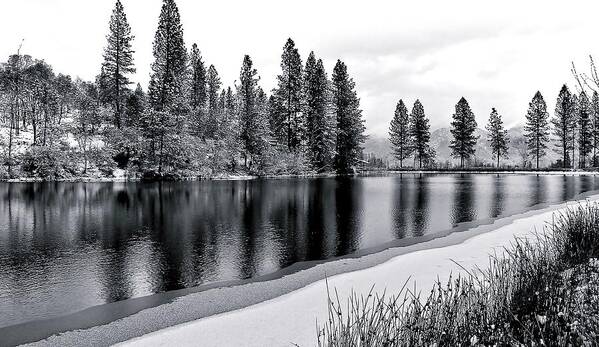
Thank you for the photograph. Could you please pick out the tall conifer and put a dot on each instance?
(169, 71)
(585, 137)
(251, 130)
(595, 121)
(462, 128)
(537, 127)
(320, 125)
(498, 138)
(289, 122)
(213, 89)
(350, 125)
(564, 113)
(118, 62)
(420, 131)
(399, 133)
(197, 90)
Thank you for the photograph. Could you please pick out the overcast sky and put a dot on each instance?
(494, 53)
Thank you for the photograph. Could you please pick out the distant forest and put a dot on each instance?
(185, 124)
(572, 132)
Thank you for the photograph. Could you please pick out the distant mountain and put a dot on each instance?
(379, 146)
(441, 138)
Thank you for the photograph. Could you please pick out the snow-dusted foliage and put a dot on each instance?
(186, 125)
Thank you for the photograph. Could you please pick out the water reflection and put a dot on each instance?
(463, 205)
(538, 189)
(402, 200)
(498, 195)
(420, 210)
(68, 246)
(348, 192)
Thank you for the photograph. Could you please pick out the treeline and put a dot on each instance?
(187, 124)
(574, 126)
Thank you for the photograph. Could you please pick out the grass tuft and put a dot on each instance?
(541, 291)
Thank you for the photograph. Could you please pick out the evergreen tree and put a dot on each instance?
(537, 127)
(198, 89)
(574, 129)
(320, 124)
(249, 113)
(213, 84)
(564, 113)
(136, 105)
(420, 131)
(585, 137)
(289, 123)
(118, 62)
(399, 133)
(169, 70)
(230, 105)
(462, 128)
(595, 120)
(198, 78)
(498, 139)
(350, 125)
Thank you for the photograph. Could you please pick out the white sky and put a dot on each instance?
(494, 53)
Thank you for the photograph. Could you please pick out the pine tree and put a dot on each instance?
(320, 124)
(595, 120)
(169, 70)
(249, 114)
(197, 89)
(213, 84)
(564, 113)
(399, 133)
(198, 78)
(118, 62)
(585, 137)
(350, 125)
(420, 131)
(229, 104)
(574, 129)
(289, 123)
(537, 127)
(498, 138)
(462, 128)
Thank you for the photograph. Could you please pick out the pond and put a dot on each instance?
(65, 247)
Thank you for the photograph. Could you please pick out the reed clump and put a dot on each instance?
(542, 291)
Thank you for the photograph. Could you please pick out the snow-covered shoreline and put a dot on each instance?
(284, 310)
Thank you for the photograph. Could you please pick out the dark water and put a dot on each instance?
(69, 246)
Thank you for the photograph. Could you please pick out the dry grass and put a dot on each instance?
(539, 292)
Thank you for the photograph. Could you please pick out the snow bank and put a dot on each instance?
(291, 318)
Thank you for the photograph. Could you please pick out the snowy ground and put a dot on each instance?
(291, 319)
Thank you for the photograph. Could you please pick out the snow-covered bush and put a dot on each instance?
(48, 162)
(279, 161)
